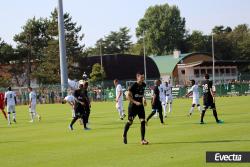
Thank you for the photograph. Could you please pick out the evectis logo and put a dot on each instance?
(226, 158)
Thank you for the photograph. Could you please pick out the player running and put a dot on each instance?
(208, 99)
(169, 98)
(156, 103)
(82, 105)
(2, 105)
(195, 90)
(32, 105)
(163, 89)
(10, 102)
(137, 102)
(119, 99)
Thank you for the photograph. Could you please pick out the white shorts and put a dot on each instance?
(169, 99)
(32, 108)
(119, 105)
(11, 108)
(196, 101)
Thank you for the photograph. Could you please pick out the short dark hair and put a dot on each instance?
(206, 76)
(116, 80)
(9, 88)
(30, 88)
(140, 73)
(192, 81)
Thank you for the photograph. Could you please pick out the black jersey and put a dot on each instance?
(82, 96)
(157, 97)
(207, 85)
(137, 91)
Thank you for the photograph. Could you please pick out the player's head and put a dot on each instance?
(116, 82)
(206, 76)
(9, 88)
(157, 82)
(85, 84)
(140, 77)
(81, 82)
(29, 89)
(192, 82)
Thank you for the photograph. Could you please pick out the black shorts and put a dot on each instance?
(79, 111)
(157, 108)
(134, 110)
(209, 103)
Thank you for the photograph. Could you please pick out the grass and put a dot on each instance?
(182, 142)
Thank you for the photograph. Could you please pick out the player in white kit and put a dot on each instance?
(70, 99)
(10, 102)
(195, 90)
(32, 105)
(119, 99)
(162, 89)
(169, 98)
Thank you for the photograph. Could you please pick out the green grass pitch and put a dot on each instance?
(181, 143)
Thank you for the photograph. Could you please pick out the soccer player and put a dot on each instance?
(82, 105)
(119, 99)
(163, 90)
(10, 102)
(2, 105)
(156, 103)
(208, 99)
(32, 105)
(169, 98)
(195, 90)
(137, 102)
(70, 99)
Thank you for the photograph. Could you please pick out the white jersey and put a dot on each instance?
(32, 97)
(10, 96)
(69, 98)
(162, 89)
(117, 92)
(195, 90)
(169, 90)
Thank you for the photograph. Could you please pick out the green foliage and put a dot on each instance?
(97, 74)
(163, 28)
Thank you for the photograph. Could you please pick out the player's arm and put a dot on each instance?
(153, 99)
(130, 98)
(119, 95)
(5, 101)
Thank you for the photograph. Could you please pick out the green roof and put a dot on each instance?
(167, 63)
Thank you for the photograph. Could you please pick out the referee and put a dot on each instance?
(208, 99)
(137, 102)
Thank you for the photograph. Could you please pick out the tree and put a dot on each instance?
(73, 49)
(114, 43)
(97, 74)
(197, 42)
(163, 28)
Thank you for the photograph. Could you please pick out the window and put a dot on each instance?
(233, 70)
(209, 71)
(222, 71)
(203, 71)
(183, 72)
(196, 73)
(227, 70)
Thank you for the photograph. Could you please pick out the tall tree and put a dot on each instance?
(163, 28)
(97, 74)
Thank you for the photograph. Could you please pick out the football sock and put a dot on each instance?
(126, 128)
(150, 116)
(203, 114)
(161, 117)
(215, 115)
(191, 110)
(73, 121)
(143, 130)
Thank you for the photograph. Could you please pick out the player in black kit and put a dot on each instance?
(82, 105)
(156, 103)
(208, 99)
(136, 107)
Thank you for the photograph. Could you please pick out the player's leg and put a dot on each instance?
(191, 109)
(170, 104)
(9, 110)
(141, 115)
(4, 113)
(151, 114)
(14, 113)
(203, 114)
(120, 109)
(85, 118)
(199, 108)
(77, 116)
(215, 114)
(31, 114)
(131, 115)
(160, 114)
(166, 106)
(35, 112)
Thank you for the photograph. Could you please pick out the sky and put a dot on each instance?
(99, 17)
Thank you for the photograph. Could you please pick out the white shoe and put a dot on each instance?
(31, 121)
